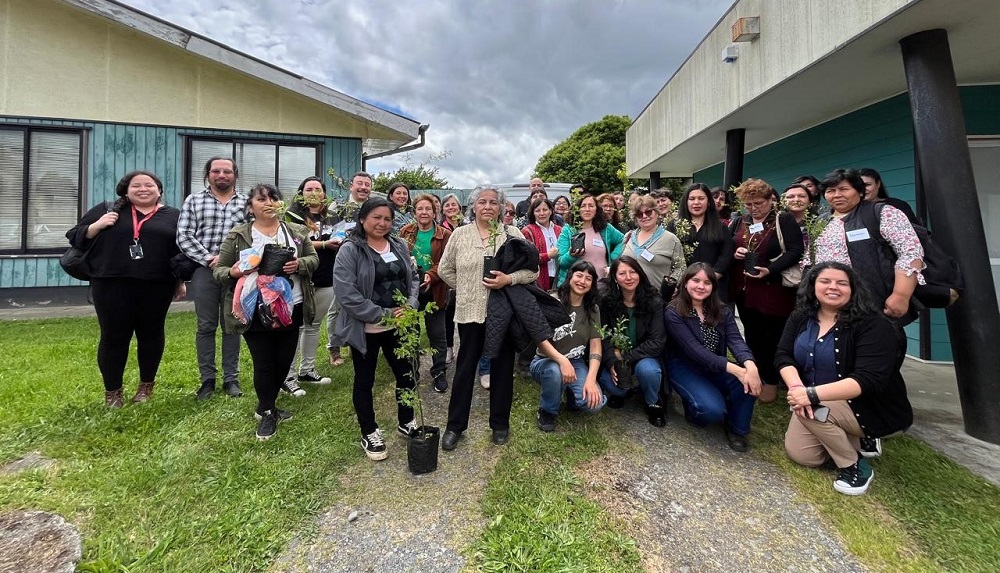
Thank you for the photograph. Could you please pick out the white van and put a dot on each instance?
(517, 192)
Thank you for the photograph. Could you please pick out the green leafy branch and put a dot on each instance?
(411, 346)
(617, 335)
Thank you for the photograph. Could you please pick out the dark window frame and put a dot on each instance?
(190, 138)
(27, 130)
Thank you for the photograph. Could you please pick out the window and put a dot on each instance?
(282, 164)
(39, 188)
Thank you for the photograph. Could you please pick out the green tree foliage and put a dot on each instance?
(421, 176)
(591, 156)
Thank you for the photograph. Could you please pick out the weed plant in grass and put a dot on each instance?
(539, 519)
(922, 513)
(174, 484)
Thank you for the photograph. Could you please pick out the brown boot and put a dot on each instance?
(143, 393)
(113, 399)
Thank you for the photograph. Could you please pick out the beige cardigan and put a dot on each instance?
(461, 267)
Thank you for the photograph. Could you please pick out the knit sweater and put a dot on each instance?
(461, 267)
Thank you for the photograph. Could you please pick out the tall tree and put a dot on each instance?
(591, 156)
(421, 176)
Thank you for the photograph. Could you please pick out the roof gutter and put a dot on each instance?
(421, 131)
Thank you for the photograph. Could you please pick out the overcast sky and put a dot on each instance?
(499, 81)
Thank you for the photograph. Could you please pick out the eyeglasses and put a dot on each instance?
(508, 212)
(644, 214)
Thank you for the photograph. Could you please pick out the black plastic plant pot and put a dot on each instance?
(750, 263)
(422, 450)
(625, 379)
(489, 264)
(578, 242)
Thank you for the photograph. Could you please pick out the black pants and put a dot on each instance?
(125, 307)
(449, 319)
(466, 374)
(763, 332)
(364, 378)
(272, 351)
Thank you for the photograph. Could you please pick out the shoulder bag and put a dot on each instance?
(792, 276)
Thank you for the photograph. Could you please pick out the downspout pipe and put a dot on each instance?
(421, 131)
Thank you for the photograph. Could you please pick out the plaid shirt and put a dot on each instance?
(205, 222)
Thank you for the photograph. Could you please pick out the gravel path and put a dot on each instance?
(693, 505)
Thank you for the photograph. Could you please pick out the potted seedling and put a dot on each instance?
(490, 262)
(422, 449)
(617, 335)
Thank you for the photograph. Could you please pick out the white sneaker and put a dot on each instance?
(313, 377)
(292, 387)
(484, 381)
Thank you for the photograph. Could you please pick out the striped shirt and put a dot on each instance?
(205, 222)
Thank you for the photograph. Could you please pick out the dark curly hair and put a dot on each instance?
(647, 300)
(861, 306)
(590, 298)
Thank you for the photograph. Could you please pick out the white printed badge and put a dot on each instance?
(756, 227)
(857, 235)
(389, 257)
(646, 254)
(598, 242)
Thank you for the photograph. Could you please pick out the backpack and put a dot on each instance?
(941, 271)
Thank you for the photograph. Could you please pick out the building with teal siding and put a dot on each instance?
(90, 90)
(791, 88)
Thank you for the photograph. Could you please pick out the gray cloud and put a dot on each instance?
(500, 81)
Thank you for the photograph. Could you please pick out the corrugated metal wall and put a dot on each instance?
(112, 150)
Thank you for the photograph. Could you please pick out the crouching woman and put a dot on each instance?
(701, 328)
(838, 356)
(560, 365)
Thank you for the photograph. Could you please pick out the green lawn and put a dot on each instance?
(177, 485)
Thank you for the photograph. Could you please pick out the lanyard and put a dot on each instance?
(137, 224)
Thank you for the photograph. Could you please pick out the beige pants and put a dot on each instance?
(811, 443)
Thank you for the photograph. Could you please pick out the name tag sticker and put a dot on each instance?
(756, 227)
(857, 235)
(598, 243)
(389, 257)
(646, 254)
(350, 225)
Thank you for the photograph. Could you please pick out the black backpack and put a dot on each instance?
(941, 271)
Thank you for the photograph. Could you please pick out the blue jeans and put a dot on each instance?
(647, 371)
(711, 398)
(546, 372)
(484, 365)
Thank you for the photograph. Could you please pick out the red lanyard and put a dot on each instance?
(137, 224)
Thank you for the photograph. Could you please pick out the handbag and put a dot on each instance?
(74, 260)
(74, 263)
(792, 276)
(274, 257)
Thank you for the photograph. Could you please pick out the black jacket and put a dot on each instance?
(525, 312)
(869, 352)
(650, 333)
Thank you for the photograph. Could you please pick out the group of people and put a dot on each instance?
(604, 297)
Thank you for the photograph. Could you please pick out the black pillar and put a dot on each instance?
(734, 158)
(950, 192)
(654, 180)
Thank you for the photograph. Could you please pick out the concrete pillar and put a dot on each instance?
(950, 190)
(734, 158)
(654, 180)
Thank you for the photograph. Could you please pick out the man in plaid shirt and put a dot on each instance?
(206, 218)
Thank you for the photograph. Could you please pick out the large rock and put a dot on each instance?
(39, 542)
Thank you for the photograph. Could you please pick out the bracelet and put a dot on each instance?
(596, 356)
(811, 394)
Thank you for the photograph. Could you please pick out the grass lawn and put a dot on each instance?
(176, 485)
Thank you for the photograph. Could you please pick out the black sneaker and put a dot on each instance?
(546, 421)
(440, 385)
(291, 387)
(206, 390)
(408, 429)
(656, 415)
(374, 445)
(283, 415)
(268, 425)
(871, 447)
(232, 389)
(855, 479)
(313, 377)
